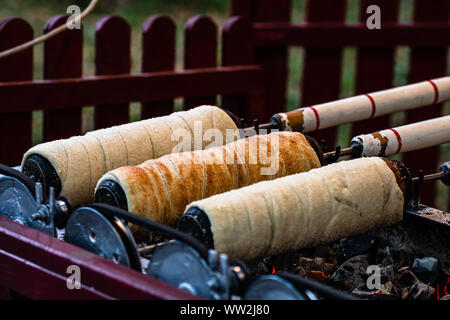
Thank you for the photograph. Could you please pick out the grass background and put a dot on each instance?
(37, 12)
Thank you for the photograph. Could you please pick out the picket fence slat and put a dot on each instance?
(63, 58)
(15, 127)
(158, 54)
(112, 56)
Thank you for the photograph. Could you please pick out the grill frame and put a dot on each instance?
(34, 265)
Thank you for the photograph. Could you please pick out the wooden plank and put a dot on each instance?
(243, 8)
(63, 56)
(375, 66)
(35, 264)
(106, 90)
(261, 10)
(112, 56)
(332, 34)
(273, 60)
(238, 49)
(15, 127)
(322, 71)
(158, 43)
(200, 51)
(36, 282)
(5, 294)
(427, 63)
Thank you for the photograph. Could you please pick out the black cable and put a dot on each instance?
(152, 226)
(323, 290)
(23, 178)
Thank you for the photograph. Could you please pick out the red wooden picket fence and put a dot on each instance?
(251, 77)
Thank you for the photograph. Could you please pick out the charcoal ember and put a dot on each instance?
(400, 257)
(284, 262)
(384, 256)
(388, 288)
(364, 293)
(412, 287)
(428, 264)
(447, 297)
(426, 269)
(323, 251)
(421, 291)
(405, 293)
(387, 275)
(305, 264)
(317, 275)
(259, 267)
(358, 245)
(445, 268)
(301, 271)
(406, 278)
(308, 265)
(352, 273)
(386, 292)
(387, 272)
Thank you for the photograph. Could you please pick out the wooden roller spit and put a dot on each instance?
(301, 210)
(161, 189)
(73, 166)
(364, 106)
(406, 138)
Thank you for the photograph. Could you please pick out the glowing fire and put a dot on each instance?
(437, 291)
(317, 275)
(273, 270)
(446, 286)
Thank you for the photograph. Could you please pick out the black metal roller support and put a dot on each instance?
(445, 169)
(179, 264)
(304, 284)
(63, 210)
(196, 223)
(357, 149)
(111, 193)
(239, 280)
(41, 170)
(108, 237)
(272, 287)
(153, 226)
(23, 178)
(233, 117)
(317, 149)
(276, 123)
(20, 205)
